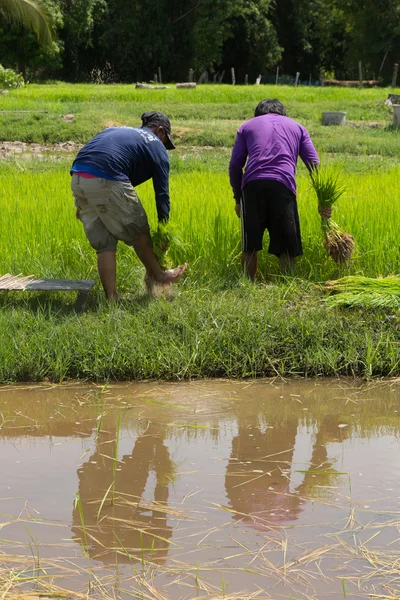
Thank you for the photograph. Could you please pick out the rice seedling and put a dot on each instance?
(78, 505)
(166, 239)
(366, 292)
(329, 188)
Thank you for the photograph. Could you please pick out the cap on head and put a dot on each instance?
(267, 107)
(159, 119)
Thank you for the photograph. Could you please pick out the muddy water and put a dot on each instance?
(212, 489)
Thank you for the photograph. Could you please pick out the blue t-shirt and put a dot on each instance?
(128, 154)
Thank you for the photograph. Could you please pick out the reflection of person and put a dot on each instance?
(266, 193)
(103, 175)
(132, 524)
(257, 478)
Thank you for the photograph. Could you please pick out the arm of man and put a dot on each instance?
(236, 164)
(161, 188)
(309, 156)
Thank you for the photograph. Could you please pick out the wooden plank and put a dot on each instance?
(16, 282)
(62, 285)
(13, 282)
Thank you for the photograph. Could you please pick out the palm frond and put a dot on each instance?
(32, 14)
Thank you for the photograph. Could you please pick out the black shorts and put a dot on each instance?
(269, 204)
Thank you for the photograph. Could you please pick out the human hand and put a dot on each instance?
(238, 209)
(325, 212)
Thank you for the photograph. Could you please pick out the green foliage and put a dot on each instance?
(10, 79)
(132, 39)
(21, 48)
(32, 14)
(253, 43)
(372, 36)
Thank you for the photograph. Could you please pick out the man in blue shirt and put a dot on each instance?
(104, 174)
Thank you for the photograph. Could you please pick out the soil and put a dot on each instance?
(22, 148)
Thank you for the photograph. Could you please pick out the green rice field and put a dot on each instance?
(215, 322)
(39, 233)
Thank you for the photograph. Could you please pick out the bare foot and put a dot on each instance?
(172, 275)
(155, 288)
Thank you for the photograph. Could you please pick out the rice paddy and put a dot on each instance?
(212, 490)
(37, 208)
(195, 332)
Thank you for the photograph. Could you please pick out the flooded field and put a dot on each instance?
(200, 490)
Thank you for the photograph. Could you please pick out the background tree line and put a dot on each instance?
(127, 40)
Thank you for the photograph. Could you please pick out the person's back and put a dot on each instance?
(273, 144)
(267, 148)
(124, 154)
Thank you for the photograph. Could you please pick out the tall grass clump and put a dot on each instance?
(329, 187)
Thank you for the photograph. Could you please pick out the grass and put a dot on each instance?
(209, 115)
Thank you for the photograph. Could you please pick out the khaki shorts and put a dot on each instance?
(110, 211)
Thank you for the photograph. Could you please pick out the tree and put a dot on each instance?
(21, 50)
(372, 36)
(252, 45)
(312, 34)
(31, 14)
(79, 37)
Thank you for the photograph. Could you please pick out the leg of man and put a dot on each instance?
(249, 262)
(99, 237)
(287, 263)
(253, 227)
(107, 266)
(128, 222)
(283, 225)
(144, 249)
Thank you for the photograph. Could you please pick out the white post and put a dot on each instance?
(396, 115)
(191, 75)
(360, 76)
(296, 82)
(233, 75)
(246, 79)
(277, 76)
(159, 75)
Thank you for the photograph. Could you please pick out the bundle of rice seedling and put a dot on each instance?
(166, 241)
(328, 188)
(169, 248)
(366, 292)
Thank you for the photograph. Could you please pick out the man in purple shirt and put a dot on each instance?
(265, 193)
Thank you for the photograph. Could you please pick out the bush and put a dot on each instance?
(10, 79)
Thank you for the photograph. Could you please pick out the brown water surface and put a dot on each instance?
(201, 490)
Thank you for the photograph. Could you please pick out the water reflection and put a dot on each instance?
(260, 466)
(135, 527)
(259, 475)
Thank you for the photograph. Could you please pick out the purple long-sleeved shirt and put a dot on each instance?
(271, 144)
